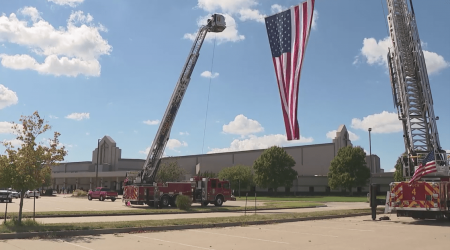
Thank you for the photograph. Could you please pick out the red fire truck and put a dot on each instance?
(201, 190)
(140, 187)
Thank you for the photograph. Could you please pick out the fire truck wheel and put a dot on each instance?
(89, 197)
(113, 199)
(205, 203)
(164, 201)
(219, 201)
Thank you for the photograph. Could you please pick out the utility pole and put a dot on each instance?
(370, 157)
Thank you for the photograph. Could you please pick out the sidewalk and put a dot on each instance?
(330, 206)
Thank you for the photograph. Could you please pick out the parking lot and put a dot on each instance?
(67, 203)
(347, 233)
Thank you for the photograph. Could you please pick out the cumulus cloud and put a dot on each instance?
(78, 116)
(434, 62)
(230, 34)
(6, 128)
(382, 123)
(151, 122)
(233, 6)
(241, 125)
(208, 74)
(172, 144)
(53, 117)
(7, 97)
(314, 20)
(261, 142)
(14, 142)
(276, 8)
(71, 3)
(69, 51)
(249, 14)
(184, 133)
(375, 52)
(332, 134)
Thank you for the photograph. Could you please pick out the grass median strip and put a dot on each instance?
(147, 210)
(32, 226)
(312, 198)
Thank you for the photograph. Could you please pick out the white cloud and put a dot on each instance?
(14, 142)
(249, 14)
(230, 6)
(261, 142)
(6, 128)
(7, 97)
(392, 170)
(53, 117)
(314, 20)
(276, 8)
(31, 12)
(78, 116)
(151, 122)
(87, 133)
(382, 123)
(174, 143)
(332, 134)
(241, 125)
(71, 3)
(69, 51)
(208, 74)
(434, 62)
(376, 53)
(184, 133)
(230, 34)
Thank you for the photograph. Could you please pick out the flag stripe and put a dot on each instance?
(288, 33)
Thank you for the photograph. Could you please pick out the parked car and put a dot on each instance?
(34, 193)
(5, 195)
(15, 194)
(102, 194)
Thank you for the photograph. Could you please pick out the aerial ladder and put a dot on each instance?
(148, 173)
(429, 197)
(411, 91)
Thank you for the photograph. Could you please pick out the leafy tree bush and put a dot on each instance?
(348, 169)
(236, 173)
(398, 174)
(27, 167)
(79, 193)
(274, 168)
(169, 171)
(207, 174)
(183, 202)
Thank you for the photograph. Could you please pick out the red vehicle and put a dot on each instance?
(102, 194)
(421, 200)
(201, 190)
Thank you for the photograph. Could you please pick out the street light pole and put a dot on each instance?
(370, 157)
(96, 169)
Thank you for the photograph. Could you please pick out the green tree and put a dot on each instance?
(207, 174)
(237, 173)
(398, 174)
(169, 171)
(274, 168)
(348, 169)
(26, 167)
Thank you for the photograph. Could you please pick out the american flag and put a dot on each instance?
(288, 34)
(427, 166)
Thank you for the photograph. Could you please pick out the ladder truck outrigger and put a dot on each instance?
(139, 186)
(428, 198)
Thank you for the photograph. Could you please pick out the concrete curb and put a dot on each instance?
(6, 236)
(121, 214)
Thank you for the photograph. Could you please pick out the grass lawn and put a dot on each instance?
(148, 210)
(311, 198)
(32, 226)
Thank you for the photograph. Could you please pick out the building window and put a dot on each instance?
(311, 189)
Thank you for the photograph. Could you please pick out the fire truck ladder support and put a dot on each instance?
(151, 165)
(411, 89)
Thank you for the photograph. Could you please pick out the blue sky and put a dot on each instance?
(95, 68)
